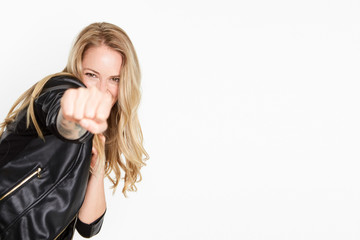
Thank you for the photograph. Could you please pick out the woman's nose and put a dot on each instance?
(102, 85)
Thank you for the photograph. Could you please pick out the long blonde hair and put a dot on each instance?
(124, 139)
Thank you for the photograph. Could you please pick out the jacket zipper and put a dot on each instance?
(66, 227)
(37, 172)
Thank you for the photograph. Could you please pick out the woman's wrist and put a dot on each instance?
(97, 171)
(68, 129)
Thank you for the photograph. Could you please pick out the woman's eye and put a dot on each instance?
(90, 75)
(116, 79)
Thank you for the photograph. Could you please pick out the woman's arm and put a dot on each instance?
(91, 214)
(94, 204)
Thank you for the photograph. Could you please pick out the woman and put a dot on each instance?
(98, 94)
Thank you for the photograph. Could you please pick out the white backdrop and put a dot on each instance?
(250, 111)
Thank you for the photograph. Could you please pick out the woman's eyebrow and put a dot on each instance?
(115, 75)
(92, 70)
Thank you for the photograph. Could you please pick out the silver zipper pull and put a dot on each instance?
(38, 172)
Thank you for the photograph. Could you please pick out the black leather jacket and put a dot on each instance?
(16, 140)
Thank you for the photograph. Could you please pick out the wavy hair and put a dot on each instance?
(124, 139)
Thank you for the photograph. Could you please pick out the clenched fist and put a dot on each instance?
(87, 107)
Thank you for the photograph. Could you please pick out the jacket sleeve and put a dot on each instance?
(47, 105)
(89, 230)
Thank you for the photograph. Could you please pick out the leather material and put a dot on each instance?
(48, 202)
(89, 230)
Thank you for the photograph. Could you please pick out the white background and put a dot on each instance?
(250, 111)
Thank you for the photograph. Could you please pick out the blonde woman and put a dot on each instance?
(93, 103)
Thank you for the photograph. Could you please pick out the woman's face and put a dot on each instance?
(101, 68)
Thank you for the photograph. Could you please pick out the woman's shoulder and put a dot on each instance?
(64, 81)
